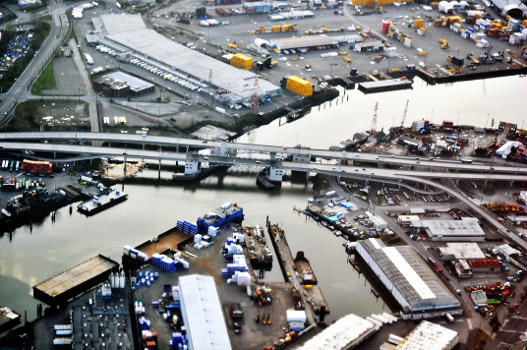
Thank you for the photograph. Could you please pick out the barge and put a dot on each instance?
(303, 268)
(107, 199)
(219, 217)
(260, 255)
(8, 319)
(67, 284)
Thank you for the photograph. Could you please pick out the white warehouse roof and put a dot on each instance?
(428, 336)
(466, 227)
(345, 333)
(462, 250)
(131, 32)
(202, 313)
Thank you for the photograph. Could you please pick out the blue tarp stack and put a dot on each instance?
(178, 341)
(164, 262)
(187, 227)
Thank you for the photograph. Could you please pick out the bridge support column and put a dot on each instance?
(124, 166)
(486, 182)
(275, 174)
(159, 170)
(54, 155)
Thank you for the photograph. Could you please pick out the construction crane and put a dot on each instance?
(255, 101)
(404, 113)
(374, 120)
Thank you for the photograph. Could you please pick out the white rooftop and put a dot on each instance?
(130, 31)
(344, 333)
(428, 336)
(467, 226)
(202, 313)
(463, 250)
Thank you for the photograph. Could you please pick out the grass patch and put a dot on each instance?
(46, 18)
(46, 80)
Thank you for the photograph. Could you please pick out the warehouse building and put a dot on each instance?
(231, 85)
(409, 279)
(466, 229)
(202, 313)
(315, 42)
(407, 220)
(458, 250)
(428, 335)
(122, 84)
(345, 333)
(378, 223)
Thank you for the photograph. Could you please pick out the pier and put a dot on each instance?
(169, 240)
(312, 297)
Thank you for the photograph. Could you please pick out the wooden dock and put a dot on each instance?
(168, 240)
(75, 280)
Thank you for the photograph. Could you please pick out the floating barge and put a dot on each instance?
(385, 85)
(220, 217)
(74, 281)
(259, 253)
(312, 297)
(303, 267)
(169, 240)
(8, 318)
(99, 203)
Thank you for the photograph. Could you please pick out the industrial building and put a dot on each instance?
(479, 298)
(223, 81)
(121, 84)
(485, 265)
(378, 223)
(407, 220)
(428, 335)
(202, 313)
(345, 333)
(458, 250)
(466, 229)
(369, 46)
(306, 42)
(409, 279)
(513, 256)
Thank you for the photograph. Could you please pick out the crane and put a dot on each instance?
(404, 113)
(374, 120)
(255, 102)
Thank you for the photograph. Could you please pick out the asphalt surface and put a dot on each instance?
(20, 89)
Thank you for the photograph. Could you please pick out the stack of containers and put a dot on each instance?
(139, 308)
(187, 227)
(240, 278)
(135, 254)
(238, 264)
(180, 261)
(178, 341)
(212, 231)
(179, 225)
(144, 323)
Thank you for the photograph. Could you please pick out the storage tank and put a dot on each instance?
(121, 280)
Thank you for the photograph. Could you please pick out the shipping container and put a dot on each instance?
(299, 86)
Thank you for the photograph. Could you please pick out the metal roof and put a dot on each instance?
(304, 41)
(130, 31)
(344, 333)
(467, 226)
(409, 274)
(202, 313)
(135, 83)
(428, 335)
(462, 250)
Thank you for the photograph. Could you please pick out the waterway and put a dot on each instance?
(32, 254)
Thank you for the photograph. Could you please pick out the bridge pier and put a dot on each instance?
(159, 170)
(124, 167)
(54, 155)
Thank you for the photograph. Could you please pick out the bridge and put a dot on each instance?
(414, 170)
(297, 154)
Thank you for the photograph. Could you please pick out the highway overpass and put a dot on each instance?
(270, 150)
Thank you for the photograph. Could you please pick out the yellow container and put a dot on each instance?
(241, 61)
(276, 29)
(262, 30)
(419, 23)
(274, 63)
(347, 59)
(299, 86)
(343, 53)
(308, 287)
(232, 46)
(422, 53)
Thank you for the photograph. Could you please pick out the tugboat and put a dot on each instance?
(303, 268)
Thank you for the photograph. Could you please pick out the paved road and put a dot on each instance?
(403, 161)
(19, 90)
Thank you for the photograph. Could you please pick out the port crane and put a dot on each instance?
(374, 120)
(404, 113)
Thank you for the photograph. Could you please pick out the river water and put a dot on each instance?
(31, 255)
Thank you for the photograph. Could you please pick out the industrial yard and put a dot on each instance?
(151, 200)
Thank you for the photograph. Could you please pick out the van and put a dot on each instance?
(236, 311)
